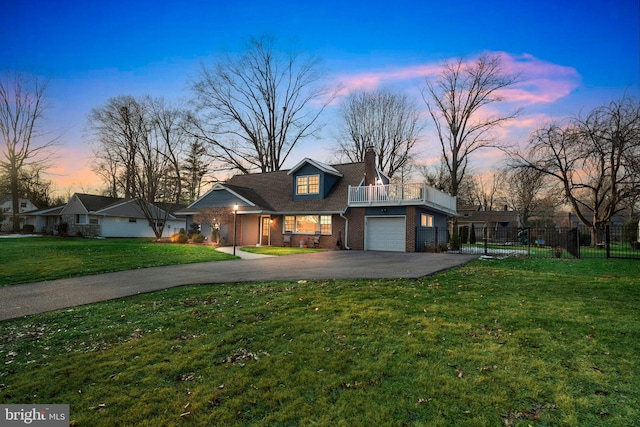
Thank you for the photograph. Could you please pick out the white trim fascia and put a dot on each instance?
(219, 187)
(239, 196)
(319, 165)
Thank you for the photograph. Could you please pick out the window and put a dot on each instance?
(133, 219)
(289, 222)
(93, 220)
(309, 184)
(23, 204)
(81, 219)
(325, 224)
(307, 224)
(426, 220)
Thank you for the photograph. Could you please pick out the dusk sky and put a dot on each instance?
(572, 55)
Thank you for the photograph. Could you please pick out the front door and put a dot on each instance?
(264, 234)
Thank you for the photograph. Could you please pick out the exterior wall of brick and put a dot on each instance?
(356, 228)
(410, 245)
(335, 241)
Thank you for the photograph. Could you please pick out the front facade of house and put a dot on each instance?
(92, 216)
(344, 206)
(6, 208)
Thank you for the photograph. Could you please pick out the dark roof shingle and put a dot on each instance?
(272, 191)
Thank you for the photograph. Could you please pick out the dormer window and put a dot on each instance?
(308, 184)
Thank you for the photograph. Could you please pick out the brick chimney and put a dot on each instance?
(369, 166)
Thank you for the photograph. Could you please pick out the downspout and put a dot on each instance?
(346, 228)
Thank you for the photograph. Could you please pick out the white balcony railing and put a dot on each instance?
(401, 194)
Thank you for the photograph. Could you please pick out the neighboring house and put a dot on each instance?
(44, 221)
(91, 215)
(501, 225)
(349, 206)
(6, 209)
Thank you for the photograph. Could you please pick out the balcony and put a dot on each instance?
(402, 195)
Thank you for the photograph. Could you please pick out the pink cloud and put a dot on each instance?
(541, 82)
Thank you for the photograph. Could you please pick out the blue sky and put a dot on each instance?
(573, 55)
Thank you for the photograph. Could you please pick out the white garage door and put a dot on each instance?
(384, 234)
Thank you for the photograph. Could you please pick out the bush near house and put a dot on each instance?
(198, 238)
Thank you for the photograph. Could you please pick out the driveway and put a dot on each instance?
(32, 298)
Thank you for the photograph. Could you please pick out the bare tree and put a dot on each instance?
(24, 143)
(487, 187)
(138, 147)
(217, 218)
(528, 193)
(455, 102)
(170, 140)
(119, 128)
(593, 158)
(388, 121)
(256, 108)
(438, 177)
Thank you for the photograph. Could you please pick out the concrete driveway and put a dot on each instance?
(32, 298)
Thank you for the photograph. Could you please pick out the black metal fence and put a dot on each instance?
(577, 242)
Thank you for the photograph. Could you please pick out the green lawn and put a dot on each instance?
(513, 342)
(33, 259)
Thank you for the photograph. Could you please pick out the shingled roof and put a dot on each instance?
(272, 191)
(94, 203)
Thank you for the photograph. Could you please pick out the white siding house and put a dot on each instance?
(91, 215)
(6, 209)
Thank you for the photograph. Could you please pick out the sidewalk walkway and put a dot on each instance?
(240, 253)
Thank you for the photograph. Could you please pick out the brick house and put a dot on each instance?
(342, 206)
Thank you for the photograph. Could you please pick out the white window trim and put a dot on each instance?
(306, 177)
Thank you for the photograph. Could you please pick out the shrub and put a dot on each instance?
(630, 231)
(585, 238)
(180, 237)
(198, 238)
(62, 228)
(194, 228)
(454, 242)
(28, 229)
(464, 234)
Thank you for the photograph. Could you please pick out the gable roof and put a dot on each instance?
(318, 165)
(131, 208)
(94, 203)
(53, 211)
(271, 192)
(275, 190)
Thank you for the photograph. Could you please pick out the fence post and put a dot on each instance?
(484, 239)
(607, 240)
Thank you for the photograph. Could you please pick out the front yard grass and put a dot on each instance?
(513, 342)
(34, 259)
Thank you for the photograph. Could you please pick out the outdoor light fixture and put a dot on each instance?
(235, 223)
